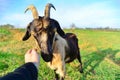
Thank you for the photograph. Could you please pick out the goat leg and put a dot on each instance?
(79, 59)
(56, 75)
(61, 78)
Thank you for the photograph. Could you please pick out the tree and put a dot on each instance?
(72, 26)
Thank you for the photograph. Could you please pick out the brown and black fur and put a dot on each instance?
(73, 51)
(57, 48)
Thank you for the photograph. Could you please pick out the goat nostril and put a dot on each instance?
(46, 57)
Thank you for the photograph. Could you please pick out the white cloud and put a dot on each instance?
(97, 14)
(19, 20)
(93, 15)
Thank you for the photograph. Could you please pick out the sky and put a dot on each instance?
(83, 13)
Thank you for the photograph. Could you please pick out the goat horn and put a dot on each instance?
(47, 10)
(34, 11)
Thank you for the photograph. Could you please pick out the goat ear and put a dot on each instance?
(26, 36)
(28, 33)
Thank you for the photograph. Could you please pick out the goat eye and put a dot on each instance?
(38, 29)
(40, 24)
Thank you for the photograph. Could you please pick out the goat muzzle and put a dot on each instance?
(47, 57)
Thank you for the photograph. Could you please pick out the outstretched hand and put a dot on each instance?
(32, 56)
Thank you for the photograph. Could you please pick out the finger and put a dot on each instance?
(30, 51)
(34, 51)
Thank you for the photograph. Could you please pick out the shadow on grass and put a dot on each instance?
(93, 60)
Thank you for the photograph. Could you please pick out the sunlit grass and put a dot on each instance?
(4, 31)
(100, 51)
(9, 61)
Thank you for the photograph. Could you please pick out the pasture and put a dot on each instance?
(100, 52)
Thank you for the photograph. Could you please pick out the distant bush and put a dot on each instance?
(105, 28)
(7, 26)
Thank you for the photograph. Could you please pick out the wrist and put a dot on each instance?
(36, 65)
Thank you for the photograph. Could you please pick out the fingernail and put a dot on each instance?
(30, 51)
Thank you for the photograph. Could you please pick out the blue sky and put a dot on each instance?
(83, 13)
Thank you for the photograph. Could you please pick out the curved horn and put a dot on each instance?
(47, 10)
(34, 11)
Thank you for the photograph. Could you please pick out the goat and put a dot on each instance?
(55, 50)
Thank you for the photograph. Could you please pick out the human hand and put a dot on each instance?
(32, 56)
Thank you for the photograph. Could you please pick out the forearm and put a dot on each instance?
(27, 71)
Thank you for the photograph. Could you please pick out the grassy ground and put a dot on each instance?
(100, 51)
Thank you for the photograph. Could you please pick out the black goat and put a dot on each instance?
(55, 50)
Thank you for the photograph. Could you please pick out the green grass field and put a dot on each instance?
(100, 52)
